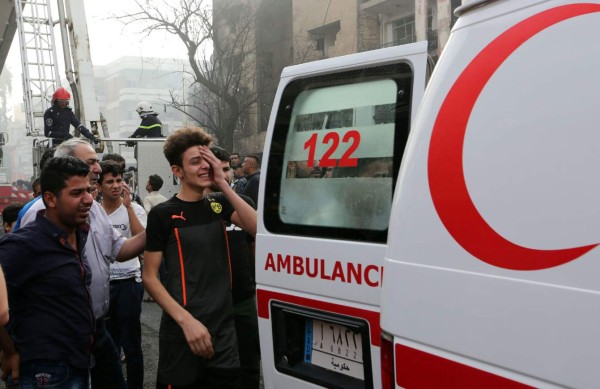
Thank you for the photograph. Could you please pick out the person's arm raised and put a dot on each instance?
(244, 215)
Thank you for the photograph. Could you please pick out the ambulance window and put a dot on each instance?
(335, 154)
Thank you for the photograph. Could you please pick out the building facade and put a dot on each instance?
(289, 32)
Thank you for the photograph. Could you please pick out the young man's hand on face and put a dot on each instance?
(216, 172)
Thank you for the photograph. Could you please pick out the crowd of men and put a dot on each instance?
(82, 252)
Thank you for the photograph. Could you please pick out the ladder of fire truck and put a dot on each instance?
(40, 66)
(39, 61)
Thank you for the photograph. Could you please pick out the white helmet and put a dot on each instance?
(144, 107)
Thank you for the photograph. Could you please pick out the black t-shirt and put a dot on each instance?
(251, 189)
(192, 237)
(242, 266)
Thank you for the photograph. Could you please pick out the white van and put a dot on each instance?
(492, 270)
(335, 140)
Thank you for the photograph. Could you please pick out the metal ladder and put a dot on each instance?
(39, 63)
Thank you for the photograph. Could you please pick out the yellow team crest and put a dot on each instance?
(216, 207)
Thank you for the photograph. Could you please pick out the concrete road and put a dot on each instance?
(151, 313)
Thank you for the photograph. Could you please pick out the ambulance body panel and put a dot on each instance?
(491, 273)
(333, 149)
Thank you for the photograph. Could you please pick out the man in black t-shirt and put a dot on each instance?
(243, 290)
(251, 168)
(197, 342)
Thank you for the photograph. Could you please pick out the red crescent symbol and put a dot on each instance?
(455, 207)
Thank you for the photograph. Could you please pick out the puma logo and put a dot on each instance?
(178, 216)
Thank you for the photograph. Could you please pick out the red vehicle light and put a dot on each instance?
(387, 361)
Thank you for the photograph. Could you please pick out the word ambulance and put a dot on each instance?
(350, 272)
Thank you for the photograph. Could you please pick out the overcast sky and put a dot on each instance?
(109, 40)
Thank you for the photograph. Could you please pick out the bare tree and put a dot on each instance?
(219, 40)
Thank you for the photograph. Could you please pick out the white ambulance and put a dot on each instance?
(492, 274)
(334, 144)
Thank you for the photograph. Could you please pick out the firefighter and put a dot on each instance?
(59, 117)
(151, 126)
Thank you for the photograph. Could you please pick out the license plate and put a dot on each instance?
(334, 347)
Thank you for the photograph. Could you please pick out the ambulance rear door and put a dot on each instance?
(333, 149)
(491, 275)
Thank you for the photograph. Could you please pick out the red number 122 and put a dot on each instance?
(333, 140)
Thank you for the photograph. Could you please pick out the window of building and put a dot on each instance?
(320, 43)
(403, 30)
(325, 37)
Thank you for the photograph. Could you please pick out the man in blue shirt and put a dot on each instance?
(105, 245)
(52, 324)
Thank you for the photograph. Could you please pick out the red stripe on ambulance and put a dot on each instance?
(418, 369)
